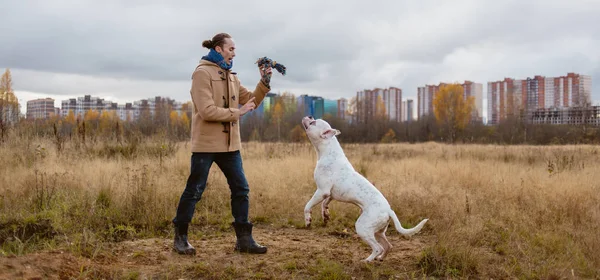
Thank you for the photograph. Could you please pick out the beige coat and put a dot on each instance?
(211, 86)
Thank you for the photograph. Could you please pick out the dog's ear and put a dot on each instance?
(328, 133)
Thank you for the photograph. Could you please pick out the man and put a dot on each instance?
(217, 93)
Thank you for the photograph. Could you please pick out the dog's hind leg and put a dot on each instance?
(325, 209)
(387, 246)
(366, 230)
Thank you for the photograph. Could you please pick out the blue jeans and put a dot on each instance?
(230, 164)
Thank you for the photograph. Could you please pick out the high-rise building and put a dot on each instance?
(342, 106)
(311, 106)
(404, 112)
(127, 112)
(505, 98)
(392, 99)
(268, 103)
(379, 102)
(475, 90)
(330, 107)
(80, 105)
(366, 102)
(511, 97)
(318, 105)
(42, 108)
(425, 97)
(407, 110)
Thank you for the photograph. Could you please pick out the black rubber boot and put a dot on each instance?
(181, 244)
(245, 243)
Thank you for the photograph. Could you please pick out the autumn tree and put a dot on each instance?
(70, 118)
(174, 119)
(105, 121)
(380, 111)
(185, 123)
(144, 121)
(452, 111)
(289, 101)
(187, 108)
(389, 137)
(297, 134)
(91, 115)
(278, 116)
(175, 124)
(9, 105)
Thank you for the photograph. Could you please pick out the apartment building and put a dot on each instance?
(42, 108)
(379, 102)
(510, 96)
(505, 98)
(407, 110)
(475, 90)
(342, 108)
(126, 112)
(311, 106)
(565, 115)
(80, 105)
(425, 97)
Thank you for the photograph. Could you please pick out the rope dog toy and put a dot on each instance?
(267, 62)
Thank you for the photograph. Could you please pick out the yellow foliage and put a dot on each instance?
(278, 111)
(389, 137)
(185, 121)
(105, 121)
(9, 104)
(174, 117)
(297, 134)
(451, 109)
(380, 110)
(70, 118)
(6, 87)
(91, 115)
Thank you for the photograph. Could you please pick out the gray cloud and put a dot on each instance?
(137, 49)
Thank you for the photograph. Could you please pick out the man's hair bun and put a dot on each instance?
(208, 44)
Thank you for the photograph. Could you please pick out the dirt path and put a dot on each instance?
(293, 253)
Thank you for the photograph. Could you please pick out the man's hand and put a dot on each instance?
(249, 106)
(266, 74)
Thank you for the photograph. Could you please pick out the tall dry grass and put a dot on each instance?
(518, 211)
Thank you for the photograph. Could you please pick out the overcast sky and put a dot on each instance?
(130, 50)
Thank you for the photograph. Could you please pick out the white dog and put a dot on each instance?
(336, 179)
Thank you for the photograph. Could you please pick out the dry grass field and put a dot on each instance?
(103, 211)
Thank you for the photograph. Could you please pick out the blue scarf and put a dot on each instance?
(217, 58)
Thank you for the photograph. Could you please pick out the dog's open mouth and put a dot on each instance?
(309, 123)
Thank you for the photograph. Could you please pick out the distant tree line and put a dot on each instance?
(452, 123)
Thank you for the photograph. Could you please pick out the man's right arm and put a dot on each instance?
(202, 98)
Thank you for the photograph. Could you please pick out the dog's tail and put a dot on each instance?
(404, 231)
